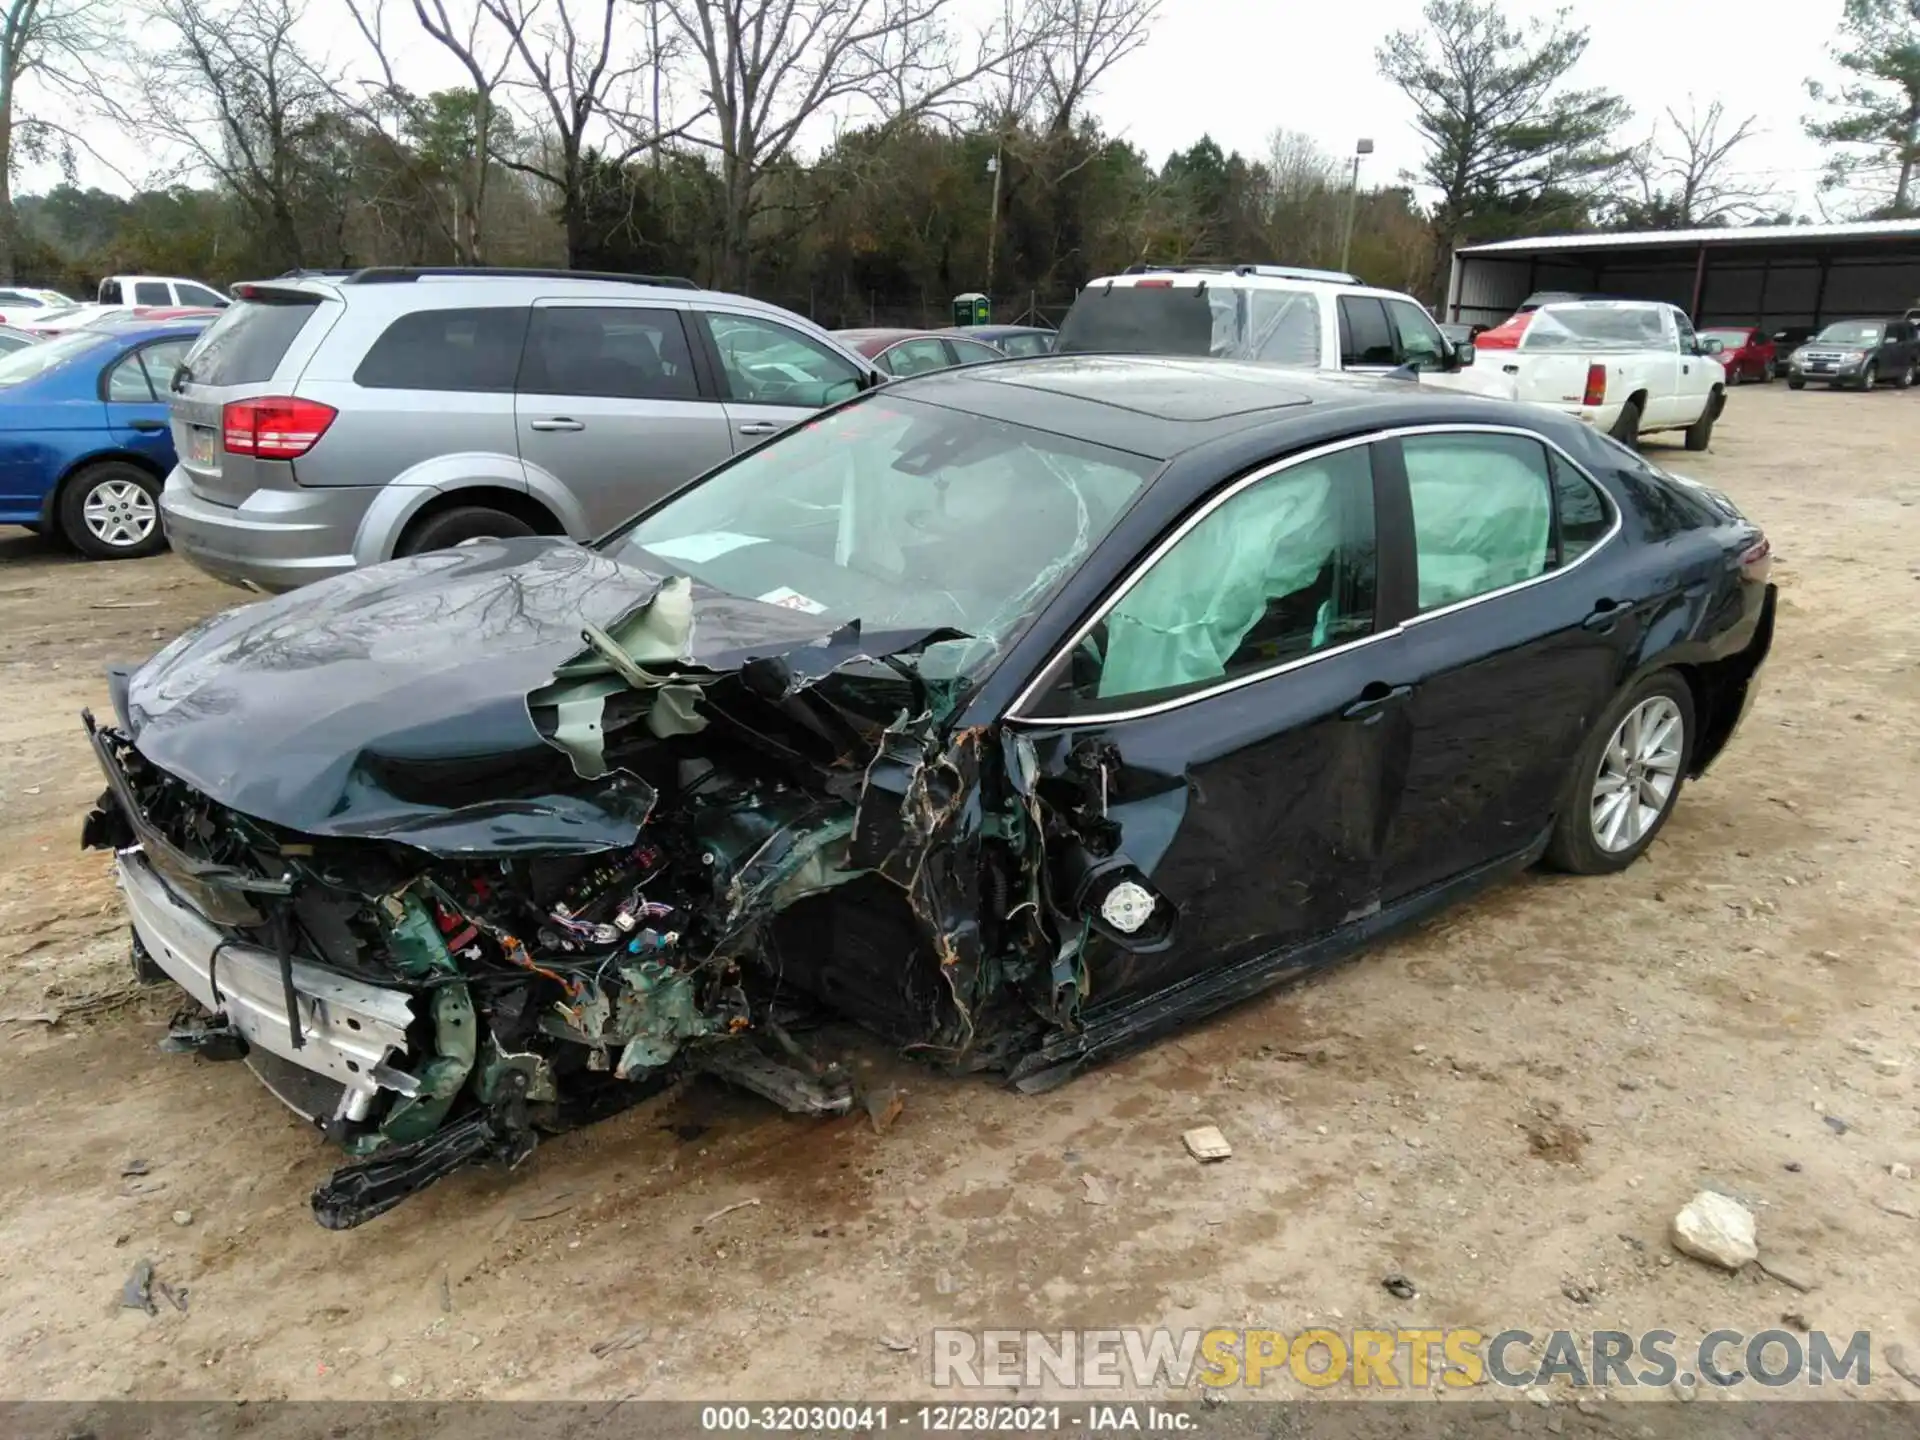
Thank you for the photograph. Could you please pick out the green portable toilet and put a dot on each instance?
(973, 308)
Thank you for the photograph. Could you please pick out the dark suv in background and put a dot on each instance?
(1858, 354)
(330, 421)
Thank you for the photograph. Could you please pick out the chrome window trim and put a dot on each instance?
(1012, 714)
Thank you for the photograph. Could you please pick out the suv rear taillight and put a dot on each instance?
(1596, 386)
(274, 427)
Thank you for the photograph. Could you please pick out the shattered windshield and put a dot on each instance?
(899, 515)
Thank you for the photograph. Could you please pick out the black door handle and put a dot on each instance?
(1605, 613)
(1375, 699)
(147, 426)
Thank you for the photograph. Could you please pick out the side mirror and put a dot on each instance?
(1712, 347)
(1463, 355)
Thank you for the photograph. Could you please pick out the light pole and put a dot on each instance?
(1364, 147)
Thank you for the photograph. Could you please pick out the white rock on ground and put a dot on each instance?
(1717, 1230)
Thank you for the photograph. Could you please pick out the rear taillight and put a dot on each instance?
(273, 427)
(1596, 386)
(1756, 561)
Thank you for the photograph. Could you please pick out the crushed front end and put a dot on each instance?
(443, 907)
(429, 1011)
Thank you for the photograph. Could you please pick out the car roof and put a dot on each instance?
(400, 289)
(1159, 407)
(132, 332)
(1236, 280)
(989, 331)
(880, 338)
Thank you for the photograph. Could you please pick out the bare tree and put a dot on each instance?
(1684, 178)
(583, 75)
(1058, 53)
(767, 68)
(466, 40)
(49, 41)
(1077, 43)
(1303, 206)
(234, 93)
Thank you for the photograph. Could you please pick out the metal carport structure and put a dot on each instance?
(1767, 275)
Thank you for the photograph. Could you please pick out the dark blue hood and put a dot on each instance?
(331, 709)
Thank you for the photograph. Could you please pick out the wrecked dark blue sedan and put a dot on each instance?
(1017, 714)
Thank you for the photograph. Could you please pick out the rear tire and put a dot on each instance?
(1626, 429)
(111, 511)
(1906, 377)
(1771, 372)
(1700, 433)
(463, 522)
(1622, 768)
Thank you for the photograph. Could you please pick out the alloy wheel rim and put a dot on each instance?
(119, 513)
(1637, 774)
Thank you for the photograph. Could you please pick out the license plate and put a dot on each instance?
(199, 445)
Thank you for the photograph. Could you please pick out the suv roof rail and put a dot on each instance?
(406, 274)
(302, 274)
(1238, 267)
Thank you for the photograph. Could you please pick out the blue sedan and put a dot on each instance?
(84, 440)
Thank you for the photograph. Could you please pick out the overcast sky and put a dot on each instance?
(1237, 69)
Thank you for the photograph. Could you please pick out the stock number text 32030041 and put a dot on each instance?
(933, 1419)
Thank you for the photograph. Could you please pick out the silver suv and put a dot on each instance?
(328, 421)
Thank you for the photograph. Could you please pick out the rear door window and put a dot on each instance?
(972, 352)
(247, 343)
(620, 352)
(145, 375)
(151, 292)
(1482, 513)
(472, 351)
(1581, 516)
(915, 357)
(127, 382)
(1284, 327)
(1365, 338)
(766, 363)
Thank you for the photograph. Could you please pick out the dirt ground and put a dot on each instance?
(1507, 1106)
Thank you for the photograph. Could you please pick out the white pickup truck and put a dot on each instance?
(1626, 367)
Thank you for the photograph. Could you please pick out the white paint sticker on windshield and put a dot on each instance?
(696, 549)
(792, 600)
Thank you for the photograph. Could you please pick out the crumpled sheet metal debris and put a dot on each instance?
(587, 842)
